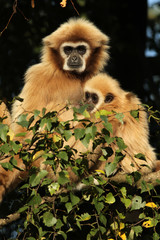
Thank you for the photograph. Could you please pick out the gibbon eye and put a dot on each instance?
(94, 98)
(68, 50)
(87, 95)
(81, 49)
(109, 97)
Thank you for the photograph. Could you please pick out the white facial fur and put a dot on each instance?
(100, 95)
(83, 58)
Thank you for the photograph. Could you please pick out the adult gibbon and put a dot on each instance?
(104, 92)
(71, 55)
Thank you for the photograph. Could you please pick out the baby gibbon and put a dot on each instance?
(72, 54)
(104, 92)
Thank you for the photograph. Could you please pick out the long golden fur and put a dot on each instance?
(4, 114)
(48, 85)
(135, 133)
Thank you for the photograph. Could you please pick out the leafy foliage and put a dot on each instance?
(55, 209)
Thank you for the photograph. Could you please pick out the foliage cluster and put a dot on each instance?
(55, 209)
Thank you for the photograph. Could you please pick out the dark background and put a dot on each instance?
(124, 21)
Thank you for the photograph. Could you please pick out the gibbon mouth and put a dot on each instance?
(75, 66)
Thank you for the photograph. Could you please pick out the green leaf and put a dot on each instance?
(102, 229)
(68, 206)
(123, 190)
(110, 199)
(85, 217)
(59, 224)
(67, 134)
(64, 199)
(16, 147)
(137, 230)
(36, 113)
(3, 132)
(23, 209)
(48, 219)
(86, 140)
(103, 219)
(137, 203)
(64, 235)
(53, 188)
(140, 156)
(63, 155)
(22, 120)
(108, 126)
(5, 148)
(120, 117)
(120, 143)
(126, 201)
(110, 168)
(135, 114)
(74, 199)
(91, 130)
(79, 133)
(63, 177)
(98, 205)
(36, 178)
(109, 139)
(156, 236)
(35, 200)
(7, 166)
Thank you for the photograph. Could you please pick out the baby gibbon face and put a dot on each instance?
(75, 56)
(102, 92)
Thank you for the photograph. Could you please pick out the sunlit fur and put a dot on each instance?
(4, 114)
(48, 85)
(135, 133)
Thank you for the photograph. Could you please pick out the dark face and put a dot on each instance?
(74, 55)
(93, 100)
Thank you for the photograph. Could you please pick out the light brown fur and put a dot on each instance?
(134, 133)
(4, 114)
(48, 86)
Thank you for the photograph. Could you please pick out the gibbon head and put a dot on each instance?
(77, 47)
(104, 92)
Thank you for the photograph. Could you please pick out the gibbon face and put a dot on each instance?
(76, 47)
(103, 92)
(75, 56)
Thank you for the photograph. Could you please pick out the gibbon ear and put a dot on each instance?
(105, 41)
(47, 41)
(130, 95)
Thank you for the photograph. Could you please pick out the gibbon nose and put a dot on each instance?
(74, 59)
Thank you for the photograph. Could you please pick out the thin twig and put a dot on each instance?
(74, 7)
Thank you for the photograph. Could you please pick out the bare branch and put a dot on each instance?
(10, 218)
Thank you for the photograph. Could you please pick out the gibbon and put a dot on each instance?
(104, 92)
(71, 55)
